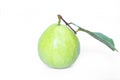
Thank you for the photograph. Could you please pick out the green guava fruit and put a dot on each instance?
(58, 46)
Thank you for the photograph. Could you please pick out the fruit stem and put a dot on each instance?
(60, 17)
(59, 20)
(79, 28)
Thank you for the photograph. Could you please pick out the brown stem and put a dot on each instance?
(60, 17)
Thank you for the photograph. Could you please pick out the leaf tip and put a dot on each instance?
(116, 50)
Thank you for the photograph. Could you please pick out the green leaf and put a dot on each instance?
(99, 36)
(104, 39)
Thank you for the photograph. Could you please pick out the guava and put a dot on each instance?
(58, 46)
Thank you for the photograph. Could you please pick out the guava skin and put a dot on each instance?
(58, 46)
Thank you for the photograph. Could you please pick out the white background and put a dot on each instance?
(23, 21)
